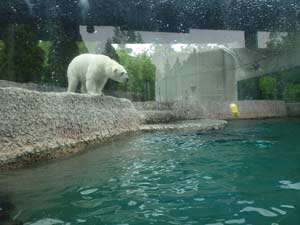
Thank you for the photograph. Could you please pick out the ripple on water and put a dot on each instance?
(49, 221)
(167, 178)
(132, 203)
(236, 221)
(88, 204)
(88, 191)
(214, 224)
(245, 202)
(261, 211)
(286, 184)
(280, 211)
(287, 206)
(199, 199)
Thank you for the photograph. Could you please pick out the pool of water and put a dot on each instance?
(248, 173)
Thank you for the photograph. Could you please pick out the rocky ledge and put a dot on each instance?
(36, 126)
(203, 125)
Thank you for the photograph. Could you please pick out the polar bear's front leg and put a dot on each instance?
(91, 86)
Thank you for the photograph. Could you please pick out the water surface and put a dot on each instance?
(248, 173)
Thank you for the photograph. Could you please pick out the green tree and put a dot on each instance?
(141, 73)
(268, 87)
(21, 58)
(110, 51)
(123, 37)
(282, 41)
(140, 69)
(148, 74)
(82, 47)
(62, 50)
(292, 93)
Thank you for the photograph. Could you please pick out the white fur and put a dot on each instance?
(92, 71)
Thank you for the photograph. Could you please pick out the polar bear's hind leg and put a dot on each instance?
(83, 87)
(72, 84)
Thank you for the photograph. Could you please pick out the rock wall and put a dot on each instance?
(36, 126)
(152, 105)
(32, 86)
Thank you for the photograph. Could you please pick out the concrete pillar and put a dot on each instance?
(251, 40)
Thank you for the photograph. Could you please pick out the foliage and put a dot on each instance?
(82, 47)
(285, 80)
(248, 89)
(110, 51)
(283, 41)
(140, 69)
(62, 50)
(123, 37)
(141, 73)
(1, 45)
(21, 58)
(267, 87)
(292, 93)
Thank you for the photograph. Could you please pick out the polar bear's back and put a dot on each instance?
(80, 64)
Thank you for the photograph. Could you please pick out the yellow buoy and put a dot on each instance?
(234, 110)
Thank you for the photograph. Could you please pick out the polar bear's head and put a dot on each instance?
(119, 74)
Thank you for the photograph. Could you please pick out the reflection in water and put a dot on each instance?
(48, 221)
(169, 178)
(289, 185)
(263, 212)
(6, 209)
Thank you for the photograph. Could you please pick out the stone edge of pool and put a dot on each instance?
(37, 127)
(199, 125)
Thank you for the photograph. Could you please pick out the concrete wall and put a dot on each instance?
(221, 110)
(212, 75)
(36, 125)
(269, 61)
(194, 109)
(201, 76)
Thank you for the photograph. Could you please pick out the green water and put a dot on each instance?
(248, 173)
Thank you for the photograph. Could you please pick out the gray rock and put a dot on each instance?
(35, 125)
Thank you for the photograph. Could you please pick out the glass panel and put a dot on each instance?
(78, 75)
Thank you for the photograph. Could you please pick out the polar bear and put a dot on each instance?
(92, 71)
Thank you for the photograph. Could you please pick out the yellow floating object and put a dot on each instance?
(234, 110)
